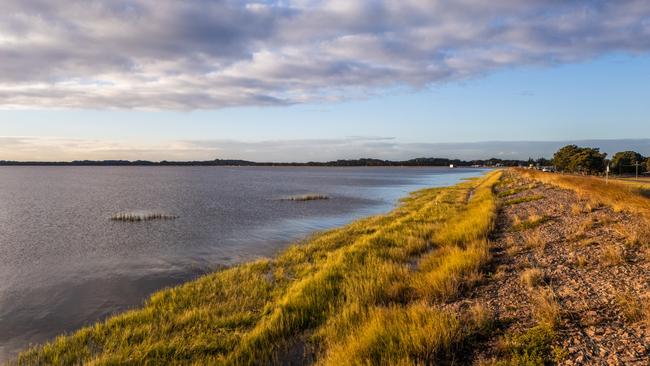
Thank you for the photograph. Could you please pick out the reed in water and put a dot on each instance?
(141, 216)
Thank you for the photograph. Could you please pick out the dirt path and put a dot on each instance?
(585, 258)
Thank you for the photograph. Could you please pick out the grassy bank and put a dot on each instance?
(371, 292)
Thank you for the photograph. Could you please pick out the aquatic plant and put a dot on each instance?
(141, 216)
(307, 197)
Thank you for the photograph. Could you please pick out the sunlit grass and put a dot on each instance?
(617, 194)
(369, 292)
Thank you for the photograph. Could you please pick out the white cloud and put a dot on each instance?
(203, 54)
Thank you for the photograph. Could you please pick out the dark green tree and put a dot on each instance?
(562, 158)
(588, 160)
(647, 164)
(623, 162)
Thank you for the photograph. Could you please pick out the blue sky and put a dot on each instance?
(545, 91)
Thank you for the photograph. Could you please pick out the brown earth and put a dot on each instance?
(587, 260)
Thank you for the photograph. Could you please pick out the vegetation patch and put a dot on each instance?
(633, 308)
(307, 197)
(532, 348)
(618, 195)
(532, 277)
(533, 221)
(512, 191)
(517, 201)
(141, 216)
(612, 255)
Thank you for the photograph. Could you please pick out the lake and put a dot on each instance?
(65, 264)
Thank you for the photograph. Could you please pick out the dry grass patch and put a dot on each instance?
(633, 308)
(586, 225)
(618, 195)
(576, 209)
(612, 255)
(581, 261)
(532, 277)
(546, 308)
(533, 221)
(635, 237)
(534, 239)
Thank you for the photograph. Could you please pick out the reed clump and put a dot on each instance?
(141, 216)
(367, 293)
(307, 197)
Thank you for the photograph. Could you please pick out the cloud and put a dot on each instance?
(61, 149)
(205, 54)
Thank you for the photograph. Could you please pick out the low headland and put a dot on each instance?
(517, 267)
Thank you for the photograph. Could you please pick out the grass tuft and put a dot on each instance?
(517, 201)
(533, 221)
(612, 255)
(531, 348)
(532, 277)
(546, 308)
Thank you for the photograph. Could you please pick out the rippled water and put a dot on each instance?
(64, 263)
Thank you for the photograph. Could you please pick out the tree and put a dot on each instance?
(647, 164)
(588, 160)
(562, 158)
(623, 162)
(572, 158)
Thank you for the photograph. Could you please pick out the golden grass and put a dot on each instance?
(616, 194)
(546, 308)
(532, 277)
(533, 239)
(612, 255)
(533, 221)
(576, 209)
(633, 308)
(369, 292)
(581, 261)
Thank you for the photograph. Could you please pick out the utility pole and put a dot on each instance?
(636, 164)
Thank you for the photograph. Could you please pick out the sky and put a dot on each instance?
(321, 80)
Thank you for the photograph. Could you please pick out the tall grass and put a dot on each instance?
(617, 194)
(367, 293)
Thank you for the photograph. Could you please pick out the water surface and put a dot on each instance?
(64, 264)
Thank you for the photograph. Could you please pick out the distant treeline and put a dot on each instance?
(589, 160)
(224, 162)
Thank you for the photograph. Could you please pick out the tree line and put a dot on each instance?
(227, 162)
(589, 160)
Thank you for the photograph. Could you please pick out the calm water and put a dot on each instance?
(64, 264)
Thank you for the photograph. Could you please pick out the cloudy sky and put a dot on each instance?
(316, 80)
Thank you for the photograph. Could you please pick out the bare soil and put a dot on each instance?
(587, 260)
